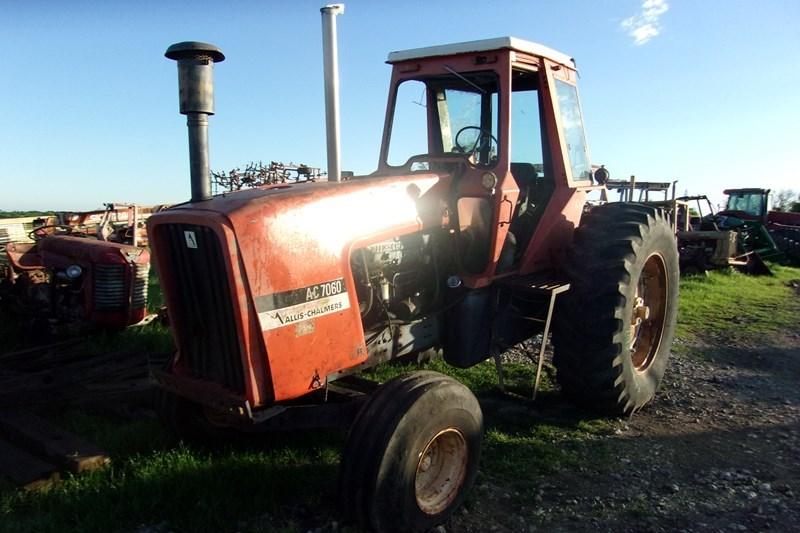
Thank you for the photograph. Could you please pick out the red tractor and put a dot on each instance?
(279, 295)
(67, 282)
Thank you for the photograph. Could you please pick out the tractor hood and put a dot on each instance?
(287, 223)
(282, 254)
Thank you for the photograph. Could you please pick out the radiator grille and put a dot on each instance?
(140, 281)
(110, 289)
(206, 329)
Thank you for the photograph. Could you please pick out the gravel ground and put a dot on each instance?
(718, 450)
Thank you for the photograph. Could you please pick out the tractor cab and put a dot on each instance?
(503, 116)
(747, 204)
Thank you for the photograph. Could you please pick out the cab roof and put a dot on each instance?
(747, 190)
(483, 45)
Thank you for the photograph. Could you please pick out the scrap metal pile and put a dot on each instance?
(122, 223)
(259, 174)
(119, 222)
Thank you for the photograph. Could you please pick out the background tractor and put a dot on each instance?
(65, 281)
(279, 295)
(709, 241)
(70, 272)
(777, 233)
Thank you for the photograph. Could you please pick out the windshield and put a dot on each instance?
(751, 203)
(462, 110)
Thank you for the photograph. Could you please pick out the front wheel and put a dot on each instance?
(412, 454)
(613, 334)
(187, 420)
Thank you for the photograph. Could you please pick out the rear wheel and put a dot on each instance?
(613, 334)
(412, 454)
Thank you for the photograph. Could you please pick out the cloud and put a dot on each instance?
(645, 25)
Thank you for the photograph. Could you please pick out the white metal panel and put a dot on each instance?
(16, 229)
(483, 45)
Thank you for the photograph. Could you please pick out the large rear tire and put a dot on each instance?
(613, 333)
(411, 454)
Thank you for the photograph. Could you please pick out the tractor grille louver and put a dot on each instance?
(206, 329)
(110, 289)
(140, 282)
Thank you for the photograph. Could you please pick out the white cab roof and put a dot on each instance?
(484, 45)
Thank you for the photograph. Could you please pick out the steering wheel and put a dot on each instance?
(484, 136)
(60, 229)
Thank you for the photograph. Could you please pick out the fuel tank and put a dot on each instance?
(258, 283)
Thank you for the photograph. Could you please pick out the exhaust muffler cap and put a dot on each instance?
(194, 50)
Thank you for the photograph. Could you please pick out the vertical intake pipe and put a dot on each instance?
(330, 66)
(196, 94)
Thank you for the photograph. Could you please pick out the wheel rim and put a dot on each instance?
(649, 312)
(441, 470)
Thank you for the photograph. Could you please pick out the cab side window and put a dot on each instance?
(572, 123)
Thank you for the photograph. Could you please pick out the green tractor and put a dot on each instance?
(773, 235)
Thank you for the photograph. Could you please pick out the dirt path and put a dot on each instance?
(718, 450)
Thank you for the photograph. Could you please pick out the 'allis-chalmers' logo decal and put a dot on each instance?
(191, 239)
(296, 305)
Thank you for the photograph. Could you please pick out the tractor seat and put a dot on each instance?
(534, 192)
(525, 175)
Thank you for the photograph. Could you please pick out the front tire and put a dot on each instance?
(613, 334)
(186, 419)
(412, 454)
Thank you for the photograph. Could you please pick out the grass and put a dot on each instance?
(737, 307)
(188, 488)
(287, 482)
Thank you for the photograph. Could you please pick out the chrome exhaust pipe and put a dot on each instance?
(330, 62)
(196, 94)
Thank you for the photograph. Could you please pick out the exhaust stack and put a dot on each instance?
(196, 94)
(330, 61)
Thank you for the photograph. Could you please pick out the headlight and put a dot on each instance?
(489, 181)
(74, 271)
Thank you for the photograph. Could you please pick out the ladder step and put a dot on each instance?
(536, 284)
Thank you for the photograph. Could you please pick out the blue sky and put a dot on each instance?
(89, 108)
